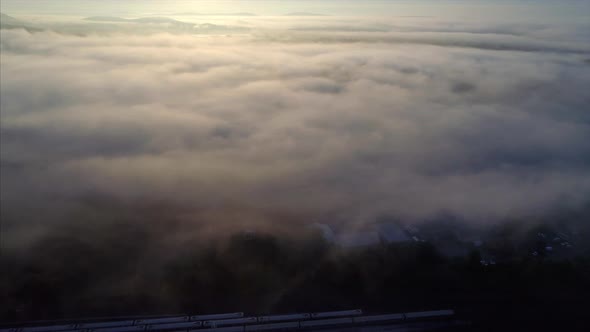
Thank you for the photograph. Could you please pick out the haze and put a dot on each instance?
(154, 150)
(409, 108)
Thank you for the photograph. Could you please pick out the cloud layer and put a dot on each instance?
(313, 120)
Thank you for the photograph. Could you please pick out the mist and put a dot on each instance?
(146, 133)
(310, 122)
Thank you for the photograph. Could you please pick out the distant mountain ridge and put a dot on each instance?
(109, 23)
(304, 14)
(214, 14)
(149, 20)
(7, 19)
(9, 22)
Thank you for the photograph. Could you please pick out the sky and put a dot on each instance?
(406, 108)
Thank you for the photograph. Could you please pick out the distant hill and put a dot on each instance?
(109, 23)
(145, 20)
(165, 22)
(214, 14)
(7, 19)
(9, 22)
(304, 14)
(170, 22)
(106, 19)
(157, 20)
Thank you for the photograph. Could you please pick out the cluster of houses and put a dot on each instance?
(450, 241)
(368, 234)
(550, 242)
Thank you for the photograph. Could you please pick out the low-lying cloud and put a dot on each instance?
(316, 122)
